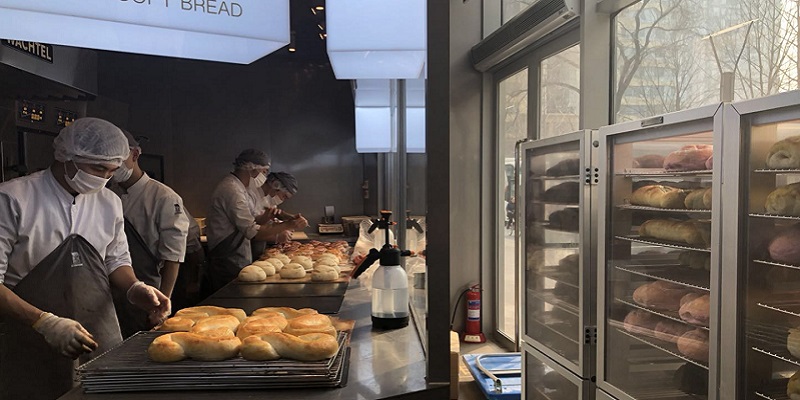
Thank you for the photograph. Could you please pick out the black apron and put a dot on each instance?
(71, 282)
(222, 269)
(132, 319)
(257, 248)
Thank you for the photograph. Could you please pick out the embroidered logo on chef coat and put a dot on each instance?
(178, 209)
(77, 261)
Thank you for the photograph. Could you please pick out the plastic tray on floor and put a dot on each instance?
(506, 367)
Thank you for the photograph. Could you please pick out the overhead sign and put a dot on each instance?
(42, 51)
(239, 31)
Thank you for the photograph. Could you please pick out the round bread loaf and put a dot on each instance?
(694, 310)
(785, 247)
(177, 324)
(261, 323)
(784, 153)
(216, 322)
(312, 323)
(327, 261)
(292, 271)
(272, 346)
(252, 273)
(784, 200)
(206, 311)
(793, 386)
(694, 344)
(284, 258)
(268, 266)
(306, 262)
(324, 273)
(276, 262)
(214, 345)
(287, 312)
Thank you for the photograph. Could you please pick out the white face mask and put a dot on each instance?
(85, 183)
(260, 179)
(122, 174)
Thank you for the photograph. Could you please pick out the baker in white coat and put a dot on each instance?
(231, 223)
(279, 187)
(62, 247)
(156, 226)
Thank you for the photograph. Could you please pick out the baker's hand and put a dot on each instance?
(151, 300)
(298, 223)
(65, 335)
(283, 237)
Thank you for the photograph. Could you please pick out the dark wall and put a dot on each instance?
(200, 115)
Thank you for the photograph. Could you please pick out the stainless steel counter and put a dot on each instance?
(383, 364)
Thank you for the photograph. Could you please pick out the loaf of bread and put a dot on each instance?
(793, 386)
(207, 311)
(566, 219)
(283, 257)
(215, 322)
(262, 323)
(214, 345)
(292, 271)
(793, 342)
(313, 323)
(695, 259)
(784, 153)
(567, 167)
(640, 322)
(698, 199)
(570, 262)
(269, 267)
(326, 261)
(272, 346)
(252, 273)
(306, 262)
(689, 158)
(287, 312)
(660, 295)
(670, 331)
(692, 232)
(710, 163)
(324, 273)
(659, 196)
(784, 200)
(694, 344)
(177, 324)
(567, 192)
(649, 161)
(691, 379)
(785, 247)
(695, 311)
(330, 257)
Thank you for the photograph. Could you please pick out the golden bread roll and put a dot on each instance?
(268, 267)
(306, 262)
(312, 323)
(658, 196)
(793, 386)
(271, 346)
(784, 200)
(326, 261)
(216, 322)
(262, 323)
(284, 258)
(695, 311)
(324, 273)
(177, 324)
(287, 312)
(696, 199)
(692, 232)
(292, 271)
(276, 262)
(694, 344)
(793, 342)
(252, 273)
(640, 322)
(784, 153)
(198, 311)
(214, 345)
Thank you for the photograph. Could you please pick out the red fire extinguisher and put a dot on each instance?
(472, 332)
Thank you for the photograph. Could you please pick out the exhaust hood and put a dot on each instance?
(32, 70)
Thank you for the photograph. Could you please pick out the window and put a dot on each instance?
(560, 93)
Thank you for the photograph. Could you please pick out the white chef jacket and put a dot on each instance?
(254, 199)
(193, 235)
(37, 214)
(156, 212)
(229, 212)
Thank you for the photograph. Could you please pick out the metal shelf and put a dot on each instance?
(774, 216)
(665, 314)
(557, 332)
(792, 309)
(669, 348)
(778, 353)
(674, 245)
(555, 203)
(555, 178)
(634, 172)
(549, 298)
(776, 390)
(673, 274)
(775, 264)
(665, 210)
(553, 272)
(777, 171)
(546, 225)
(556, 246)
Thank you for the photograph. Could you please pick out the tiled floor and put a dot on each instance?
(467, 389)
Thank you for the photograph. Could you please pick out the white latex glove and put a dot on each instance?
(298, 223)
(65, 335)
(283, 237)
(151, 300)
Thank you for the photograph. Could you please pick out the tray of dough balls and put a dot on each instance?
(671, 317)
(208, 347)
(296, 269)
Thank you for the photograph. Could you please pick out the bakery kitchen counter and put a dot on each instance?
(383, 364)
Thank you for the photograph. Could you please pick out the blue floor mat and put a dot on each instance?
(512, 384)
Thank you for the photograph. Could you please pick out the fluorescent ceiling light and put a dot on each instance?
(370, 39)
(238, 32)
(376, 116)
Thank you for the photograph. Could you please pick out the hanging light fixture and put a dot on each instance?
(292, 47)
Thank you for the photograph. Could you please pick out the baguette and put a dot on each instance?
(659, 196)
(691, 232)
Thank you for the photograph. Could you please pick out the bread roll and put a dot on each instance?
(287, 312)
(293, 271)
(793, 342)
(306, 262)
(784, 153)
(206, 311)
(691, 379)
(710, 163)
(659, 196)
(252, 273)
(689, 158)
(566, 219)
(649, 161)
(640, 322)
(324, 273)
(312, 323)
(272, 346)
(216, 322)
(695, 311)
(284, 258)
(696, 199)
(177, 324)
(784, 200)
(567, 167)
(696, 259)
(214, 345)
(694, 344)
(692, 232)
(670, 331)
(567, 192)
(785, 247)
(269, 267)
(707, 198)
(660, 295)
(569, 262)
(262, 323)
(793, 386)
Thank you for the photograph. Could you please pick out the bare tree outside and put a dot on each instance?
(513, 7)
(560, 93)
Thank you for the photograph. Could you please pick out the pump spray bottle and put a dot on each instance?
(389, 282)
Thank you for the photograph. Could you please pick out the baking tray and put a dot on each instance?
(323, 304)
(237, 290)
(343, 277)
(126, 368)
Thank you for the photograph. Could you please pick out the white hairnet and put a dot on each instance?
(251, 159)
(91, 141)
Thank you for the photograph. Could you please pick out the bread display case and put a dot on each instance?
(656, 262)
(765, 352)
(547, 380)
(558, 279)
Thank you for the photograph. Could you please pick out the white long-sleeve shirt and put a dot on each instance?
(230, 212)
(37, 214)
(157, 214)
